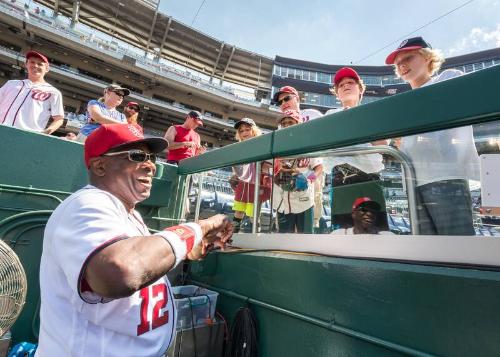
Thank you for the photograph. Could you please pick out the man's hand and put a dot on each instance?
(201, 150)
(217, 231)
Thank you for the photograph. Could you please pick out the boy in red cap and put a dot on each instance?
(29, 104)
(443, 160)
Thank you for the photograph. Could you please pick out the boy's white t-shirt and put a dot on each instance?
(444, 154)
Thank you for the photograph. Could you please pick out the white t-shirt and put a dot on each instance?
(76, 322)
(310, 114)
(349, 231)
(369, 163)
(296, 201)
(444, 154)
(29, 106)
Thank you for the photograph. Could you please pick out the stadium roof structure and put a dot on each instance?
(139, 23)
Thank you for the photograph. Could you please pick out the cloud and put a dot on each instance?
(479, 38)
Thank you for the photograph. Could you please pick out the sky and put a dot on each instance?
(342, 31)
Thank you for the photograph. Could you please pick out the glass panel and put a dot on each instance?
(437, 183)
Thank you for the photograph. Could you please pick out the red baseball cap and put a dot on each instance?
(291, 114)
(285, 89)
(133, 104)
(115, 136)
(345, 72)
(36, 54)
(410, 44)
(360, 200)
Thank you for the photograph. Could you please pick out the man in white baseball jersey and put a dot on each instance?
(293, 191)
(104, 291)
(29, 104)
(288, 98)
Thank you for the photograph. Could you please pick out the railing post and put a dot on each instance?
(256, 197)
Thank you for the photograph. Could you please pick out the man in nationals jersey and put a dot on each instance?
(183, 140)
(29, 104)
(104, 291)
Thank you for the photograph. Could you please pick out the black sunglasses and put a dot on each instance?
(135, 155)
(285, 99)
(365, 209)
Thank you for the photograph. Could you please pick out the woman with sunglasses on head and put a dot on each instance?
(443, 160)
(103, 110)
(243, 179)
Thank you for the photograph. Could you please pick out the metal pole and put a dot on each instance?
(185, 196)
(256, 202)
(198, 199)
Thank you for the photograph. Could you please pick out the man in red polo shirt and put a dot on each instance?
(183, 140)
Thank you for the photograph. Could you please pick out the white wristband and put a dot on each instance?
(182, 239)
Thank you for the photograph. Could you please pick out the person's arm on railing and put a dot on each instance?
(97, 116)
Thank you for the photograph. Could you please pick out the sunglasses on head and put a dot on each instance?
(118, 93)
(285, 99)
(135, 155)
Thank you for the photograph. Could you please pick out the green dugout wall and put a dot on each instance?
(310, 305)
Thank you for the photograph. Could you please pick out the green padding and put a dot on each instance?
(14, 200)
(24, 234)
(441, 311)
(42, 161)
(255, 149)
(164, 185)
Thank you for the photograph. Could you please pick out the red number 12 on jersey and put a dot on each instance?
(157, 319)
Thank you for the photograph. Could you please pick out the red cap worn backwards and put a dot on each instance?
(345, 72)
(36, 54)
(410, 44)
(115, 136)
